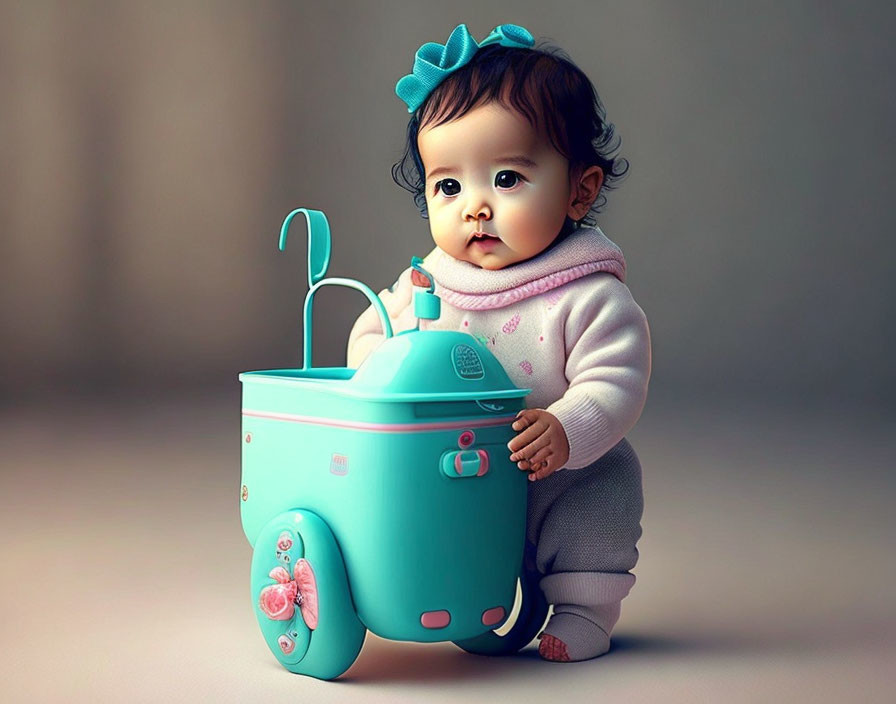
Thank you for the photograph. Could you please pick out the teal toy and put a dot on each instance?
(384, 498)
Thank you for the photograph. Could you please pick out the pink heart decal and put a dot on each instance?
(511, 324)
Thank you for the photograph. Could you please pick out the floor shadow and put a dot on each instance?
(417, 663)
(788, 640)
(397, 662)
(431, 663)
(658, 645)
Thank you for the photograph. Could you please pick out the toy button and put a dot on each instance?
(491, 617)
(435, 619)
(464, 463)
(466, 439)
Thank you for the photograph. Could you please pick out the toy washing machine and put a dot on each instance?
(383, 498)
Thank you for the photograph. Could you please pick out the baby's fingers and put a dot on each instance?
(544, 471)
(525, 419)
(541, 456)
(527, 437)
(529, 450)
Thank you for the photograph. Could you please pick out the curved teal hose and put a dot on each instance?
(350, 283)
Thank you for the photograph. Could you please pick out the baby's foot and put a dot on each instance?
(551, 648)
(569, 637)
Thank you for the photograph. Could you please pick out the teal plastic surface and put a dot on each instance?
(433, 365)
(335, 641)
(453, 544)
(529, 621)
(427, 306)
(350, 463)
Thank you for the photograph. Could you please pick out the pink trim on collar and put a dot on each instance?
(489, 301)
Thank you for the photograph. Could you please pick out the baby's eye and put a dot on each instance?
(449, 186)
(507, 179)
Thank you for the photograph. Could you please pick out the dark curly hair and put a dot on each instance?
(543, 85)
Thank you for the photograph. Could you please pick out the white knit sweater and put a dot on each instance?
(563, 324)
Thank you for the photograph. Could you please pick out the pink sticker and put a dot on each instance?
(280, 575)
(277, 601)
(526, 366)
(284, 542)
(287, 644)
(339, 464)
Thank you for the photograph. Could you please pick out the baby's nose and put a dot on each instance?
(482, 212)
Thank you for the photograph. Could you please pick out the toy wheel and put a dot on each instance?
(531, 617)
(301, 596)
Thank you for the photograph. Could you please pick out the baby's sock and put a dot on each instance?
(586, 607)
(574, 632)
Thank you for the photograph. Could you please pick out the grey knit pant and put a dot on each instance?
(589, 519)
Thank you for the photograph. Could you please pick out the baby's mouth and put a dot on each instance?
(478, 237)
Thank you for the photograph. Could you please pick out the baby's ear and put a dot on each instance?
(584, 188)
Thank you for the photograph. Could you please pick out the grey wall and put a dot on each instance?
(148, 153)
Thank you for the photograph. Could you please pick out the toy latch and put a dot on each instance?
(427, 305)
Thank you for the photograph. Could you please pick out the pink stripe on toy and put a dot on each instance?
(383, 427)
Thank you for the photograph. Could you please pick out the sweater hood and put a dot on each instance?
(469, 287)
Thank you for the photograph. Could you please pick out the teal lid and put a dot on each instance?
(431, 365)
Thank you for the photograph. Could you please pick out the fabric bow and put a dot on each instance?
(433, 62)
(278, 601)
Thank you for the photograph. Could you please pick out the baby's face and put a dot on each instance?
(497, 192)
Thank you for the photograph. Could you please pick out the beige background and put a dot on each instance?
(148, 153)
(151, 150)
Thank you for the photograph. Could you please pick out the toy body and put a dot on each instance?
(381, 498)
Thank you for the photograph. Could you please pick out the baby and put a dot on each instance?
(508, 155)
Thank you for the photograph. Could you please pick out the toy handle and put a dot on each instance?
(318, 241)
(318, 261)
(350, 283)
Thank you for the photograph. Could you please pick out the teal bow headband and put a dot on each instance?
(434, 62)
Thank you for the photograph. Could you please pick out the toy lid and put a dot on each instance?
(433, 365)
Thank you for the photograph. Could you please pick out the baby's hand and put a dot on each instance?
(542, 447)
